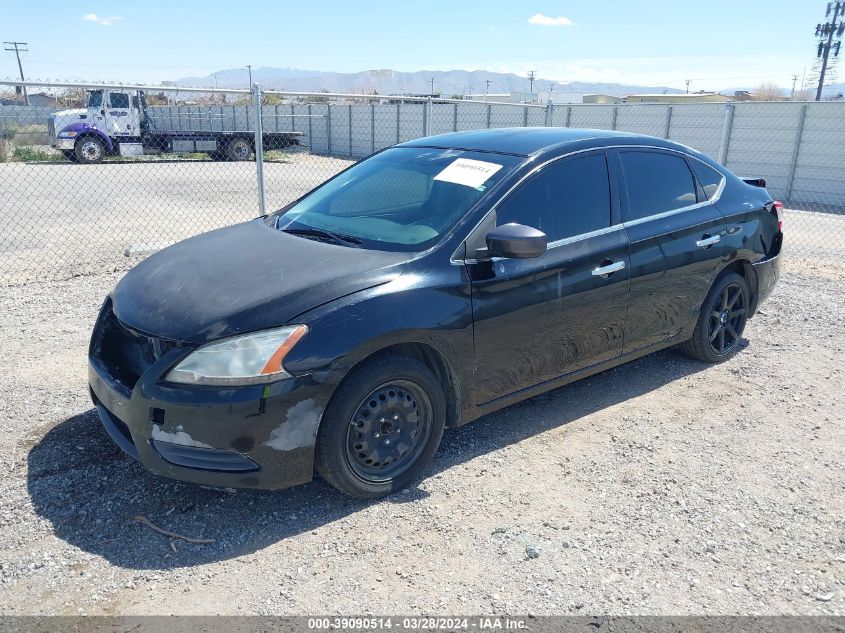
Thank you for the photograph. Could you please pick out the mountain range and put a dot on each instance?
(386, 81)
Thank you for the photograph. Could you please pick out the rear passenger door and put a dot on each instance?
(538, 319)
(677, 238)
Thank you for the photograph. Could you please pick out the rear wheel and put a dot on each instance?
(721, 320)
(381, 428)
(239, 149)
(90, 149)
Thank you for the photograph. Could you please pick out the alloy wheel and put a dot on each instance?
(727, 319)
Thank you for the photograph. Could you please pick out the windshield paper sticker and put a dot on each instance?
(468, 172)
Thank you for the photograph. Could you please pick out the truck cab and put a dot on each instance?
(109, 119)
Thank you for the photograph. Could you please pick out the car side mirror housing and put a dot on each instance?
(516, 241)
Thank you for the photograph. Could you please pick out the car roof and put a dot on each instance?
(528, 141)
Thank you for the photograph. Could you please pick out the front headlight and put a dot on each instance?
(68, 134)
(241, 360)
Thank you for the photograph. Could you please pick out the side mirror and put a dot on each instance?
(516, 241)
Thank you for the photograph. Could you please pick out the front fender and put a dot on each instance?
(86, 129)
(344, 333)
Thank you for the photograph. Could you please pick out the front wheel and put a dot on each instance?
(381, 428)
(90, 149)
(721, 320)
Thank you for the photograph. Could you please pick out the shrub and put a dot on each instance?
(30, 154)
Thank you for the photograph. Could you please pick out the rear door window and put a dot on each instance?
(657, 182)
(566, 198)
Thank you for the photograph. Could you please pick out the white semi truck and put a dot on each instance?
(118, 122)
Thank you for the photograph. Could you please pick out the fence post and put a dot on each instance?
(794, 163)
(329, 129)
(524, 116)
(550, 116)
(568, 115)
(427, 117)
(727, 125)
(398, 119)
(455, 118)
(668, 122)
(349, 111)
(489, 108)
(310, 131)
(259, 148)
(372, 127)
(613, 120)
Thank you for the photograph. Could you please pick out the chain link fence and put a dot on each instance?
(96, 177)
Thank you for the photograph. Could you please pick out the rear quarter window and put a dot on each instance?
(709, 178)
(656, 182)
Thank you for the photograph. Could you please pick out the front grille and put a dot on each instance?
(124, 353)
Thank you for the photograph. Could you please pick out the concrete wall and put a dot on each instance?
(799, 148)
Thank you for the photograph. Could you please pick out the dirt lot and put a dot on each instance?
(62, 219)
(662, 487)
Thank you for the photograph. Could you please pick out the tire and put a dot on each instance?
(721, 320)
(238, 149)
(381, 428)
(90, 149)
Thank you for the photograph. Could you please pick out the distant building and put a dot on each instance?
(693, 97)
(542, 97)
(597, 98)
(43, 100)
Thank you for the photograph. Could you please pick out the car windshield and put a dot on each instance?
(95, 99)
(402, 199)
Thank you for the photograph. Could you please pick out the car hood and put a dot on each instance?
(243, 278)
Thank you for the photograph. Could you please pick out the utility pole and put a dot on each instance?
(531, 75)
(794, 80)
(18, 52)
(487, 83)
(249, 68)
(826, 32)
(687, 81)
(432, 86)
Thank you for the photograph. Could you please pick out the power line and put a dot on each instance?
(17, 50)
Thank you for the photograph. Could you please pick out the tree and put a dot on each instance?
(769, 91)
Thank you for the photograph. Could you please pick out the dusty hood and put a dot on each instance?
(243, 278)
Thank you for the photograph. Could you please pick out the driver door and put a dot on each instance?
(118, 117)
(538, 319)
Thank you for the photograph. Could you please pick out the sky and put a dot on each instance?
(715, 44)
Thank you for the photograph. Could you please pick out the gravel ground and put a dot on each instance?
(665, 486)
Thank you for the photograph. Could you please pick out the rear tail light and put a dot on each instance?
(777, 210)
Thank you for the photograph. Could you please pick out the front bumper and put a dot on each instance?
(257, 436)
(63, 143)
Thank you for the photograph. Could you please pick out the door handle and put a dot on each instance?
(608, 269)
(704, 242)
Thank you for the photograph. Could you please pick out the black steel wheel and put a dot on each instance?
(388, 430)
(382, 427)
(721, 321)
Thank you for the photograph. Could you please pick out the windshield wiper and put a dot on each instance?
(325, 236)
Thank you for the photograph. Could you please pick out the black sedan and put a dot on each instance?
(430, 284)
